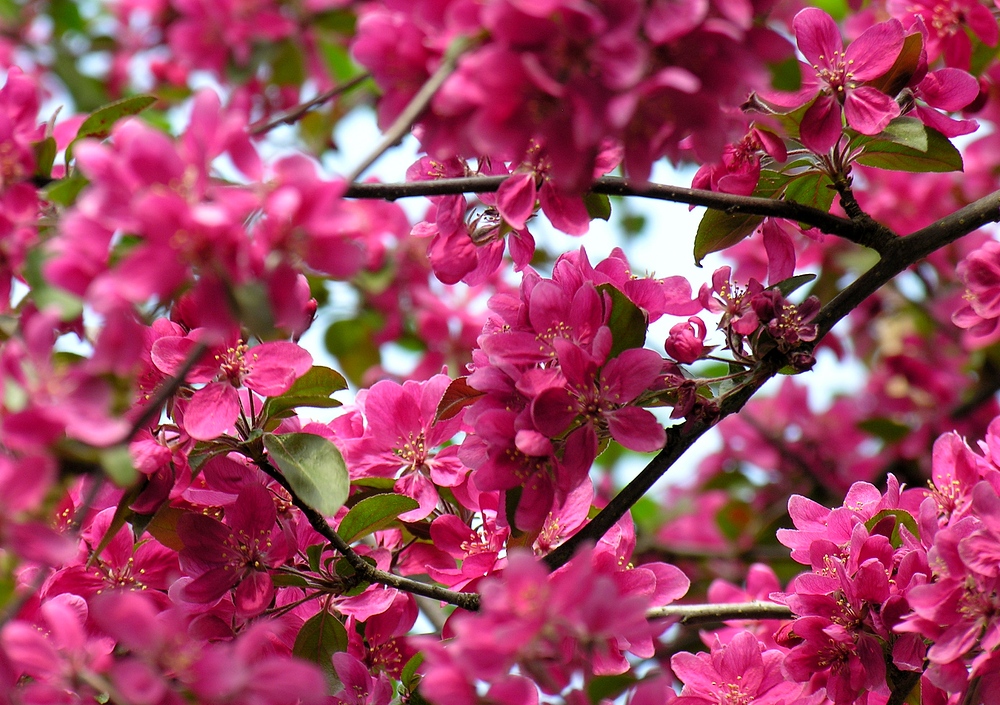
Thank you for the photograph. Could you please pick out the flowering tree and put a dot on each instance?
(181, 520)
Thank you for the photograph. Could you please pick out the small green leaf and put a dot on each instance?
(313, 389)
(787, 286)
(627, 322)
(409, 676)
(813, 188)
(456, 397)
(886, 429)
(45, 155)
(905, 66)
(374, 514)
(287, 66)
(163, 526)
(601, 688)
(69, 306)
(598, 205)
(718, 231)
(314, 554)
(118, 466)
(99, 123)
(786, 75)
(288, 580)
(902, 517)
(313, 467)
(320, 638)
(352, 343)
(64, 191)
(908, 145)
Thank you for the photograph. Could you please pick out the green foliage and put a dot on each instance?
(374, 514)
(314, 468)
(627, 322)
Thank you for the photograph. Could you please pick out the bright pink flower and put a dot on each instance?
(237, 554)
(268, 369)
(980, 315)
(400, 441)
(740, 671)
(836, 78)
(945, 23)
(686, 342)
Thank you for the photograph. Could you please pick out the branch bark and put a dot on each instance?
(616, 186)
(713, 613)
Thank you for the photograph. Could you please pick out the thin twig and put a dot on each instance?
(713, 613)
(166, 390)
(617, 186)
(364, 569)
(295, 114)
(413, 109)
(901, 253)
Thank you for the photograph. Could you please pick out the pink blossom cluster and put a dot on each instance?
(555, 392)
(578, 621)
(567, 76)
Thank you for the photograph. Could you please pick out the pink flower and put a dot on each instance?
(269, 369)
(237, 554)
(836, 78)
(946, 22)
(401, 438)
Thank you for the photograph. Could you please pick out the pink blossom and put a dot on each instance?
(269, 369)
(836, 78)
(237, 554)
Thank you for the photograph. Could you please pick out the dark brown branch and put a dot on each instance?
(715, 613)
(901, 253)
(166, 390)
(295, 114)
(616, 186)
(365, 570)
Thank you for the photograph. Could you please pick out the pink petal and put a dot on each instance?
(875, 51)
(817, 36)
(821, 125)
(212, 411)
(516, 199)
(869, 110)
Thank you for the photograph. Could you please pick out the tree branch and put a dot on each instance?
(295, 114)
(617, 186)
(900, 254)
(413, 109)
(364, 569)
(713, 613)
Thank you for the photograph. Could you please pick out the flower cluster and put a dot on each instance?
(567, 76)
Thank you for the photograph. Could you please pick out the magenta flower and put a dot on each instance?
(401, 439)
(738, 672)
(837, 76)
(237, 554)
(269, 369)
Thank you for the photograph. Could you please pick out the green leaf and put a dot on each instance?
(905, 66)
(627, 322)
(98, 125)
(787, 286)
(352, 343)
(909, 145)
(69, 306)
(64, 191)
(45, 155)
(598, 205)
(320, 638)
(813, 188)
(733, 518)
(288, 580)
(456, 397)
(409, 676)
(163, 526)
(608, 687)
(786, 75)
(313, 389)
(313, 467)
(902, 517)
(288, 67)
(374, 514)
(719, 230)
(886, 429)
(118, 466)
